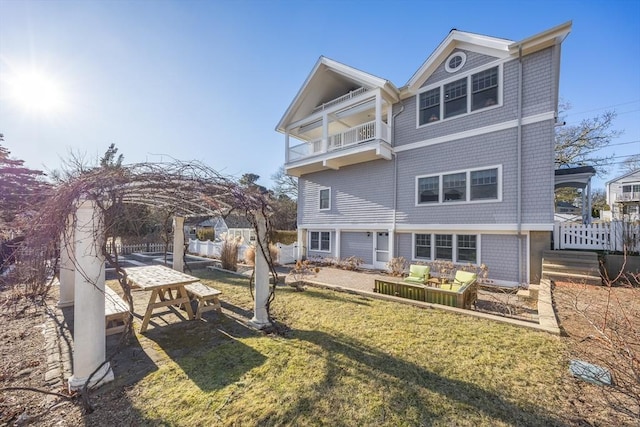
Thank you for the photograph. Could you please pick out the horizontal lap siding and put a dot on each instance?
(360, 194)
(357, 244)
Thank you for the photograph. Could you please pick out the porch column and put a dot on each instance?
(301, 244)
(589, 201)
(392, 245)
(325, 133)
(286, 147)
(260, 317)
(89, 318)
(178, 243)
(67, 268)
(378, 115)
(337, 244)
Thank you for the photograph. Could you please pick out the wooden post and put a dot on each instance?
(178, 243)
(89, 334)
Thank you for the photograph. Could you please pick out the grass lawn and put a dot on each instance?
(346, 361)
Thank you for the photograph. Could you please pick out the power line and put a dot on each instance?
(604, 108)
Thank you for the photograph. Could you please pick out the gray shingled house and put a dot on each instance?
(457, 164)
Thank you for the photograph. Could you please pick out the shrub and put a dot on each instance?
(250, 254)
(229, 253)
(206, 234)
(397, 266)
(300, 272)
(286, 237)
(350, 263)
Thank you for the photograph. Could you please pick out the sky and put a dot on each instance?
(209, 80)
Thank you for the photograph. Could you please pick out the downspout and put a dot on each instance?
(395, 179)
(519, 172)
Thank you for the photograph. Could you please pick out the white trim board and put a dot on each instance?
(506, 228)
(550, 115)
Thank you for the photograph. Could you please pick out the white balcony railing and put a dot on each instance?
(340, 99)
(628, 197)
(356, 135)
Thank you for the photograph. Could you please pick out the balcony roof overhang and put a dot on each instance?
(365, 152)
(313, 88)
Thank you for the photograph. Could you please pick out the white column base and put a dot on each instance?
(259, 323)
(103, 376)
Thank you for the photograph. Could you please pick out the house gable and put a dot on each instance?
(328, 80)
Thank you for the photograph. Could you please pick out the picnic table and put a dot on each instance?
(162, 282)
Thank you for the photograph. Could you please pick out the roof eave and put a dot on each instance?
(550, 37)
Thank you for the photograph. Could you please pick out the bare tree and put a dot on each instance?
(630, 164)
(285, 184)
(578, 145)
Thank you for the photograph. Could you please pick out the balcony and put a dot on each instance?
(340, 99)
(628, 197)
(358, 144)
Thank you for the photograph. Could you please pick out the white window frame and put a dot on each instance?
(454, 249)
(454, 78)
(320, 190)
(319, 249)
(463, 57)
(468, 189)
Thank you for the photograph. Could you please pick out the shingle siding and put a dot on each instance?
(474, 60)
(361, 193)
(500, 254)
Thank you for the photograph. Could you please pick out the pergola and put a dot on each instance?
(578, 177)
(185, 189)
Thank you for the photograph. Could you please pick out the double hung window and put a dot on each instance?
(468, 94)
(462, 248)
(320, 241)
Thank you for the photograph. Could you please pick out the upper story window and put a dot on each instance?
(430, 106)
(455, 98)
(468, 94)
(455, 62)
(634, 188)
(325, 199)
(474, 185)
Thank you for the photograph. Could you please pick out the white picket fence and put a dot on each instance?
(286, 253)
(610, 236)
(142, 247)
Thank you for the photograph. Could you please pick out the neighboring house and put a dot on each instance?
(457, 164)
(567, 208)
(623, 196)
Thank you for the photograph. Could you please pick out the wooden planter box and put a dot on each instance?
(462, 298)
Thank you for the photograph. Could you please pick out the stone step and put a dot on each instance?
(531, 293)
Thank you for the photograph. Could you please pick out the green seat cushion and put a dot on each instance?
(464, 277)
(417, 274)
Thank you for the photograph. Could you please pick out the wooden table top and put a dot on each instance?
(157, 276)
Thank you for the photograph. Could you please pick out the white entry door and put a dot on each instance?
(381, 250)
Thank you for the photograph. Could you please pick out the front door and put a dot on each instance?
(381, 250)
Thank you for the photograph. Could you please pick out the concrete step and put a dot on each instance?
(588, 269)
(530, 293)
(578, 278)
(571, 255)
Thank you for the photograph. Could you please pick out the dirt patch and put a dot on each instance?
(583, 311)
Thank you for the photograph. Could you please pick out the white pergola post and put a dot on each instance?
(260, 317)
(67, 268)
(178, 243)
(89, 336)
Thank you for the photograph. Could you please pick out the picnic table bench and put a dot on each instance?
(116, 312)
(206, 296)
